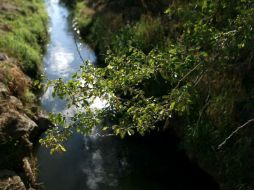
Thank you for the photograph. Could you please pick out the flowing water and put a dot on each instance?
(105, 163)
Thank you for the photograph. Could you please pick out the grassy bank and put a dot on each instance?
(189, 63)
(24, 33)
(23, 29)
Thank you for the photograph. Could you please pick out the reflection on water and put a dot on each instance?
(62, 58)
(61, 61)
(83, 165)
(103, 163)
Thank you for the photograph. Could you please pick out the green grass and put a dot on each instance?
(83, 13)
(27, 34)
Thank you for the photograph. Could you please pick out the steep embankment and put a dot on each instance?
(192, 64)
(23, 35)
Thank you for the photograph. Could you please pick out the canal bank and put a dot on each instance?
(23, 37)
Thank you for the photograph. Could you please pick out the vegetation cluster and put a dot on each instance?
(185, 65)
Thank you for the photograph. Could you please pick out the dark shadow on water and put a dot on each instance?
(156, 159)
(152, 162)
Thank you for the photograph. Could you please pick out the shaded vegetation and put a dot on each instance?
(190, 61)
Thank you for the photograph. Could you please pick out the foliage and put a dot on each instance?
(194, 63)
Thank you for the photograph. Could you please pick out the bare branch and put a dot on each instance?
(185, 76)
(234, 132)
(207, 101)
(78, 50)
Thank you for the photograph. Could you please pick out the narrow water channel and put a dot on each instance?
(105, 163)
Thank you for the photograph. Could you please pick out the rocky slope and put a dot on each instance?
(22, 37)
(20, 123)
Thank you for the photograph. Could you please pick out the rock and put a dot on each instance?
(44, 123)
(14, 125)
(3, 57)
(9, 103)
(10, 8)
(28, 171)
(9, 180)
(4, 91)
(5, 28)
(15, 103)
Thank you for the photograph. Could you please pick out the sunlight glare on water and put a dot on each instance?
(62, 60)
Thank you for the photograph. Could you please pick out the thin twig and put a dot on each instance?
(199, 78)
(234, 132)
(185, 76)
(79, 53)
(207, 101)
(196, 81)
(105, 135)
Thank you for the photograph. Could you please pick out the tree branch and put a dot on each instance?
(78, 50)
(186, 75)
(234, 132)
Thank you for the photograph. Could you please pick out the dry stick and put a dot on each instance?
(79, 53)
(144, 5)
(185, 76)
(199, 79)
(234, 132)
(205, 106)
